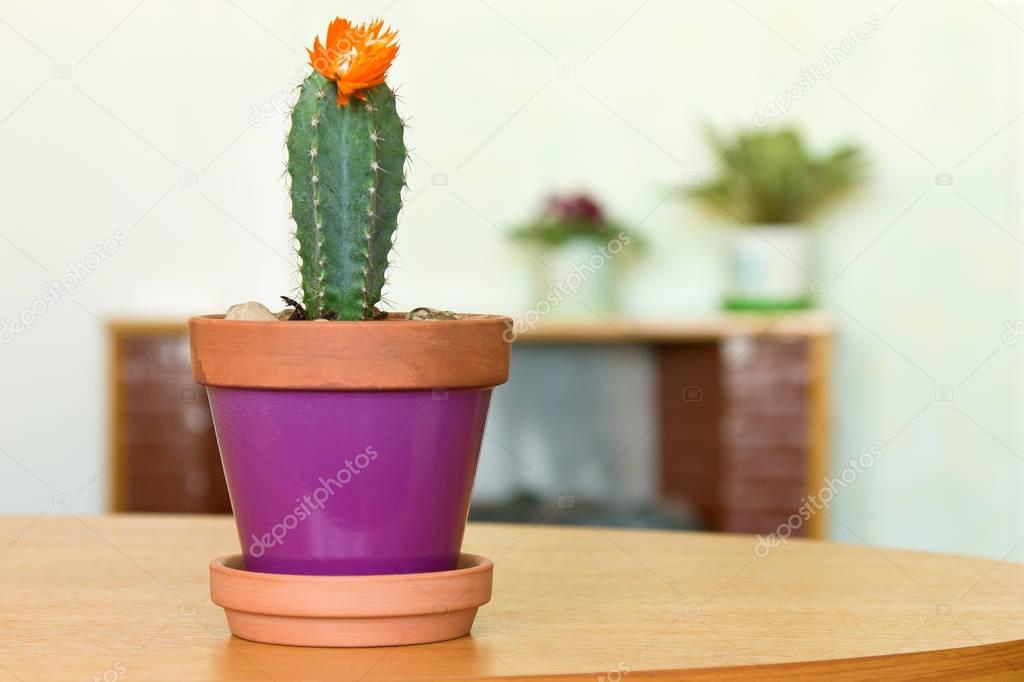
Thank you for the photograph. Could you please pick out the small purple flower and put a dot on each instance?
(576, 207)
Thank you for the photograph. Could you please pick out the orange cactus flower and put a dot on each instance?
(357, 56)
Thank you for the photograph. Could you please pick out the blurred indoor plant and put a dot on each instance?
(349, 436)
(576, 242)
(772, 184)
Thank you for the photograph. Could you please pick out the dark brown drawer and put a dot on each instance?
(164, 446)
(763, 522)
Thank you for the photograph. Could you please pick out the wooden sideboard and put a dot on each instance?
(742, 399)
(163, 449)
(743, 410)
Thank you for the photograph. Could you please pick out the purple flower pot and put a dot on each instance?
(349, 483)
(350, 448)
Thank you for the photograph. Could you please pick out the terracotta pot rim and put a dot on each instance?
(469, 564)
(350, 596)
(392, 319)
(358, 355)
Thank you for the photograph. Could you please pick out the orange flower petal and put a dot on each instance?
(320, 60)
(356, 57)
(336, 32)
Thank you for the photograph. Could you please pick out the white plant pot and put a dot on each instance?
(578, 282)
(768, 267)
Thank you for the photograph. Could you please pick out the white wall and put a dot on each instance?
(112, 111)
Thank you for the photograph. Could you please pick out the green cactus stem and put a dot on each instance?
(347, 168)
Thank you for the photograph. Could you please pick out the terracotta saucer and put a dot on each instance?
(349, 611)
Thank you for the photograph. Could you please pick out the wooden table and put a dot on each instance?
(126, 597)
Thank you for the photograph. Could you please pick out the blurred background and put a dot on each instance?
(756, 250)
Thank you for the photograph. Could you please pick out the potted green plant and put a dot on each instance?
(773, 185)
(575, 242)
(349, 436)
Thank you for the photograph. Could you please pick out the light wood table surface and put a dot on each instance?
(126, 598)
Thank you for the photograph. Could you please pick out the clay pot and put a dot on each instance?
(346, 611)
(349, 448)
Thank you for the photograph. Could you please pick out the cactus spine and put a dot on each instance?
(347, 173)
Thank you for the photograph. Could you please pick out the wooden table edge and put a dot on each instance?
(996, 661)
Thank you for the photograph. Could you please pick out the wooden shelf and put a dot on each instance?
(606, 329)
(674, 330)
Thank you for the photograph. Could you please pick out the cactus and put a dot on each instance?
(346, 159)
